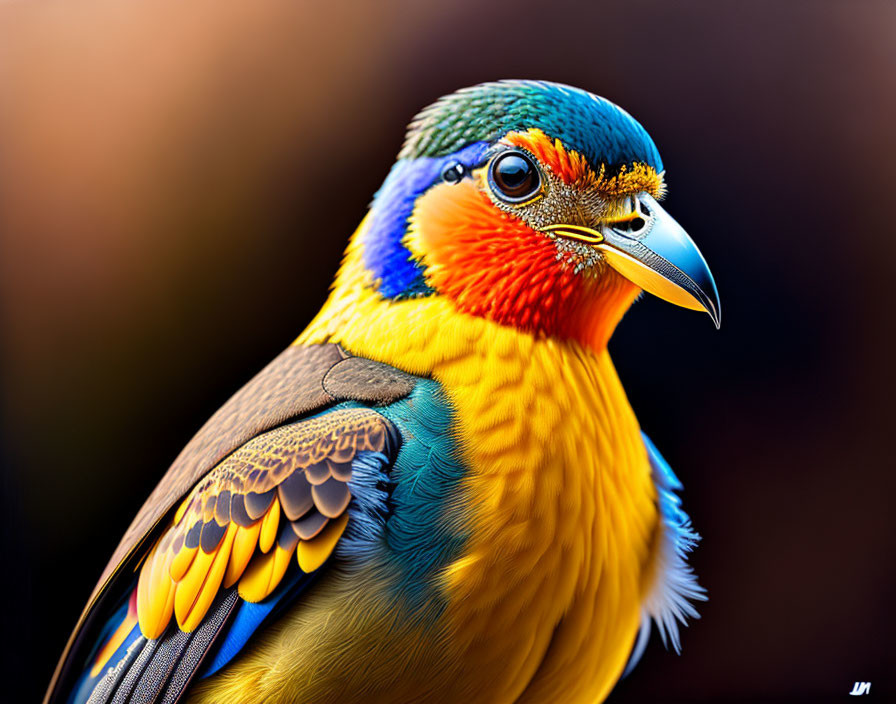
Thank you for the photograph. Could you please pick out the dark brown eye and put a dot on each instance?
(514, 177)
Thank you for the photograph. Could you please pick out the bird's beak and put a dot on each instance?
(650, 249)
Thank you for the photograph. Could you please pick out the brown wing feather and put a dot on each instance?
(288, 387)
(291, 386)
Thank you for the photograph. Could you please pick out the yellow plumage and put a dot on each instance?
(544, 602)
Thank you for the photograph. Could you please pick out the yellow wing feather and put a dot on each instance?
(269, 525)
(243, 549)
(313, 553)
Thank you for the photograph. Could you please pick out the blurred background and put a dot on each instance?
(177, 183)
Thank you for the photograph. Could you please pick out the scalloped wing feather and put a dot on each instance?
(282, 494)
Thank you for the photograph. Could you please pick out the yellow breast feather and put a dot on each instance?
(546, 596)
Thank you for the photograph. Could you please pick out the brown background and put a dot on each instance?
(177, 181)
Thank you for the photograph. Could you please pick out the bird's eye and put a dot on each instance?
(514, 177)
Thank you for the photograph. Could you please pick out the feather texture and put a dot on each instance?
(227, 529)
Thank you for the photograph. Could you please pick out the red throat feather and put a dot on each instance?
(493, 265)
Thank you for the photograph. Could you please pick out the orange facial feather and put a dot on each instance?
(493, 265)
(568, 165)
(573, 168)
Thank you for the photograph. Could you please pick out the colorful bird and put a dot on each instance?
(439, 492)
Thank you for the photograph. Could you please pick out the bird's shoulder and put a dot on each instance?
(300, 381)
(267, 476)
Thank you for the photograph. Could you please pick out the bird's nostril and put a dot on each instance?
(630, 227)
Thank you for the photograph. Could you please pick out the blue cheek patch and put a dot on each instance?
(385, 255)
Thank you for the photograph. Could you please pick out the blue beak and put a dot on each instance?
(655, 253)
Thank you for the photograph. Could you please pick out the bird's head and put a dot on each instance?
(535, 205)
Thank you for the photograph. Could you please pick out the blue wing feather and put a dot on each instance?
(249, 618)
(668, 604)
